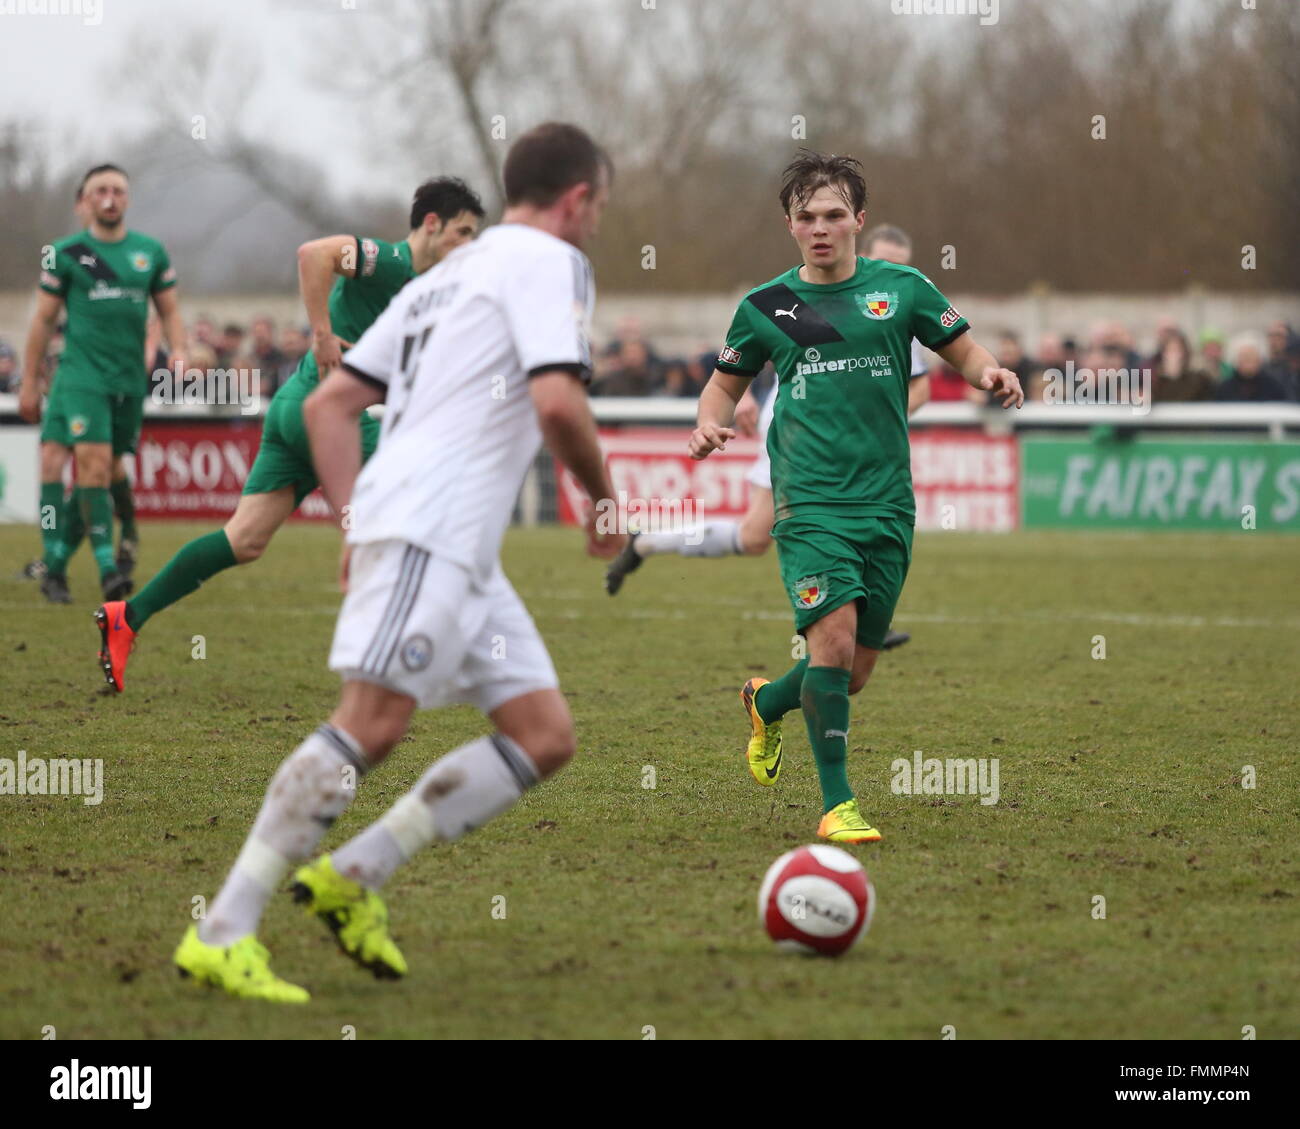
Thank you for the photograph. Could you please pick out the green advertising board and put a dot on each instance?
(1146, 483)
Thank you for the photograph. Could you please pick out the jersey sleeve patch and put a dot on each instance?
(369, 257)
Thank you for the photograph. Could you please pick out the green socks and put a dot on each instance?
(53, 517)
(97, 513)
(73, 516)
(823, 694)
(825, 700)
(124, 507)
(194, 563)
(781, 695)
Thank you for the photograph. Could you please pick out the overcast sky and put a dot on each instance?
(53, 75)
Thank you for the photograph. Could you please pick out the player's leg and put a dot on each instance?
(750, 536)
(281, 476)
(243, 538)
(55, 514)
(894, 639)
(128, 416)
(507, 674)
(756, 526)
(309, 791)
(94, 462)
(885, 546)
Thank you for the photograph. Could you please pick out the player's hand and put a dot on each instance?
(328, 351)
(747, 415)
(29, 403)
(1004, 383)
(705, 440)
(345, 567)
(178, 362)
(604, 545)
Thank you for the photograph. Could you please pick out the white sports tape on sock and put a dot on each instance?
(262, 863)
(410, 823)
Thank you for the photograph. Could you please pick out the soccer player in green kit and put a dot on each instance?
(105, 276)
(346, 282)
(838, 330)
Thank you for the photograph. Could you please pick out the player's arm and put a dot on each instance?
(918, 392)
(45, 320)
(980, 369)
(716, 413)
(330, 415)
(320, 261)
(569, 431)
(168, 305)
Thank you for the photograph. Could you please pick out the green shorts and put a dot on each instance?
(828, 561)
(284, 456)
(75, 415)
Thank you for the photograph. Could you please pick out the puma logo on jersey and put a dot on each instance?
(87, 260)
(788, 313)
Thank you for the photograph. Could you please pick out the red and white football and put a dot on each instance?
(816, 899)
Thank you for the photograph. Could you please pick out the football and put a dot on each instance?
(816, 900)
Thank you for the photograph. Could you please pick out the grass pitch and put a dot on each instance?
(629, 908)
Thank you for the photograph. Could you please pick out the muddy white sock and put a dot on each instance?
(459, 793)
(712, 539)
(310, 790)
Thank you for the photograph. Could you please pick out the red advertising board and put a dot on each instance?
(196, 471)
(963, 480)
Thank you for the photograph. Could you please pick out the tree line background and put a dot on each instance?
(981, 138)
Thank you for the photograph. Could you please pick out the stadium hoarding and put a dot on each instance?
(20, 463)
(1158, 483)
(196, 471)
(963, 480)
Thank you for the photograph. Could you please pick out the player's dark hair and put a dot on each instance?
(886, 233)
(446, 197)
(548, 160)
(93, 172)
(810, 171)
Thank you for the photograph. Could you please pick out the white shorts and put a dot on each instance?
(424, 627)
(760, 474)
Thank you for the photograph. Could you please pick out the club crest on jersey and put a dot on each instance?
(879, 306)
(417, 652)
(809, 592)
(78, 425)
(141, 261)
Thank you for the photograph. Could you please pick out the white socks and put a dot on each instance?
(462, 791)
(311, 789)
(712, 539)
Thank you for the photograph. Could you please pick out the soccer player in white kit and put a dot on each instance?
(752, 535)
(477, 361)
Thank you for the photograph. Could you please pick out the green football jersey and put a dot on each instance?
(106, 289)
(842, 354)
(382, 270)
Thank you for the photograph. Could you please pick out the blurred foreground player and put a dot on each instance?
(477, 362)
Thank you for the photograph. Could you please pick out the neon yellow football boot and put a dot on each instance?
(356, 916)
(242, 969)
(764, 751)
(844, 824)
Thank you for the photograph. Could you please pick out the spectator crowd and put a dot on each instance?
(629, 365)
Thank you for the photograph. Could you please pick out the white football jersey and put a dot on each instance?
(454, 351)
